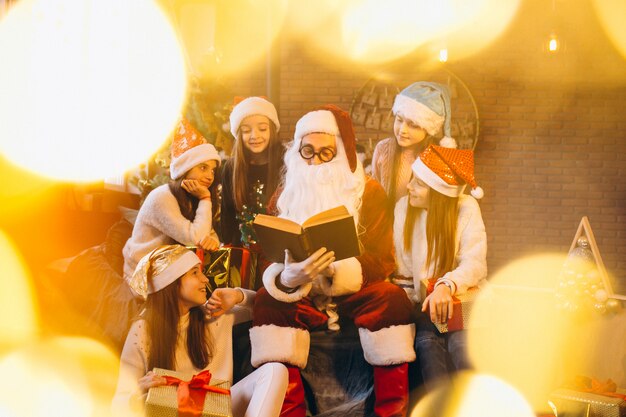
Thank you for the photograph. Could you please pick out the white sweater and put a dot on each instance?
(128, 399)
(470, 266)
(160, 222)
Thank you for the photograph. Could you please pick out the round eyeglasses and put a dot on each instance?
(325, 154)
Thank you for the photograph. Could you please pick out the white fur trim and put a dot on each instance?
(269, 282)
(348, 278)
(418, 113)
(271, 343)
(173, 271)
(435, 181)
(448, 142)
(477, 193)
(249, 107)
(318, 121)
(192, 157)
(391, 345)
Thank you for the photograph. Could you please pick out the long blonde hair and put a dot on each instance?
(441, 222)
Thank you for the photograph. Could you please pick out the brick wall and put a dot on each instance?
(552, 143)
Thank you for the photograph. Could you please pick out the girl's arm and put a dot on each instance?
(471, 258)
(164, 214)
(239, 300)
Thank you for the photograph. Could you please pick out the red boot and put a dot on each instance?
(391, 388)
(294, 405)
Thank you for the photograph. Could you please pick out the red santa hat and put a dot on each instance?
(447, 170)
(251, 106)
(189, 148)
(333, 120)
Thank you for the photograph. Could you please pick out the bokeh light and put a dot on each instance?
(611, 14)
(18, 313)
(516, 331)
(469, 395)
(374, 32)
(69, 376)
(88, 89)
(226, 38)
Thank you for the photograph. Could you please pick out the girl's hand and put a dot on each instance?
(196, 189)
(222, 300)
(299, 273)
(150, 380)
(439, 302)
(208, 243)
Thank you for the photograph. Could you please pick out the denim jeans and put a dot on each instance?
(438, 353)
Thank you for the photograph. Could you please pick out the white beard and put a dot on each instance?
(311, 189)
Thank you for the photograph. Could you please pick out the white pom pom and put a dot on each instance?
(448, 142)
(477, 193)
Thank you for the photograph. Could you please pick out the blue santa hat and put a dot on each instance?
(427, 104)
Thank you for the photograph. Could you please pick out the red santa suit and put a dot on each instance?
(381, 311)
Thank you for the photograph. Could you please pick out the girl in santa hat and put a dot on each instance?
(179, 329)
(182, 210)
(251, 176)
(422, 117)
(439, 235)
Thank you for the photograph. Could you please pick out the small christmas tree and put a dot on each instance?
(583, 284)
(208, 110)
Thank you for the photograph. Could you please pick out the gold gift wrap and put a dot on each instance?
(461, 307)
(225, 267)
(162, 401)
(572, 403)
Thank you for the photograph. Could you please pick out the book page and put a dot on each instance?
(326, 216)
(278, 223)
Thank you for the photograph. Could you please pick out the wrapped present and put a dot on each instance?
(229, 267)
(570, 403)
(462, 306)
(187, 396)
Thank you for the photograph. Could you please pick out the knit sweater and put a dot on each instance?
(160, 222)
(470, 266)
(134, 359)
(382, 162)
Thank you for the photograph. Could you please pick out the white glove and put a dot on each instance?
(299, 273)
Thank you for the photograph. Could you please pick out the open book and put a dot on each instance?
(332, 229)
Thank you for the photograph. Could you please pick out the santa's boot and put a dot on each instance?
(391, 388)
(294, 405)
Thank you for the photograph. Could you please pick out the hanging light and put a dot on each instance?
(443, 55)
(553, 44)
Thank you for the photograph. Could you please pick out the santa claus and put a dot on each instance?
(323, 172)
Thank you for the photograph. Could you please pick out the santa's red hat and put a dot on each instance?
(333, 120)
(189, 148)
(447, 170)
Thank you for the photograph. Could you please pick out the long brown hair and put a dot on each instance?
(441, 222)
(188, 203)
(396, 152)
(162, 316)
(241, 160)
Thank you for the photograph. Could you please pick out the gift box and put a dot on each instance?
(229, 267)
(573, 403)
(462, 306)
(185, 393)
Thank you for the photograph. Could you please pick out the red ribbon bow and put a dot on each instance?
(191, 394)
(594, 386)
